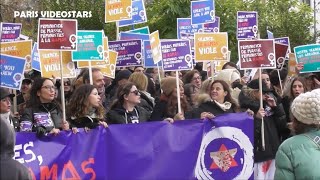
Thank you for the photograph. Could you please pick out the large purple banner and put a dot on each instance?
(190, 149)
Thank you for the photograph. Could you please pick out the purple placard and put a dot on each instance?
(213, 26)
(176, 55)
(129, 52)
(247, 24)
(10, 31)
(184, 26)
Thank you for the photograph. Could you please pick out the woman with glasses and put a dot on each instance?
(85, 109)
(193, 77)
(125, 109)
(43, 113)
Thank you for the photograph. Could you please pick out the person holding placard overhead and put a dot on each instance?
(299, 156)
(43, 113)
(274, 119)
(125, 109)
(167, 106)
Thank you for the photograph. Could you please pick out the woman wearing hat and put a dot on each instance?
(5, 109)
(167, 107)
(299, 156)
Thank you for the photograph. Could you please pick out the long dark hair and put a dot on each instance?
(78, 105)
(303, 82)
(34, 100)
(228, 97)
(122, 91)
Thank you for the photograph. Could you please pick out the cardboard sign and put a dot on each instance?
(110, 69)
(147, 56)
(85, 64)
(247, 24)
(35, 61)
(202, 11)
(212, 26)
(143, 30)
(138, 14)
(281, 52)
(11, 71)
(57, 34)
(18, 49)
(155, 47)
(106, 49)
(129, 52)
(176, 55)
(211, 46)
(184, 26)
(309, 55)
(292, 65)
(117, 10)
(286, 41)
(10, 31)
(50, 64)
(90, 46)
(257, 54)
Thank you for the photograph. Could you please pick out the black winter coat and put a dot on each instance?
(83, 122)
(274, 124)
(118, 115)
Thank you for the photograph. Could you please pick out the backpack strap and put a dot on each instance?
(314, 136)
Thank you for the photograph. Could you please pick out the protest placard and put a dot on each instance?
(109, 70)
(286, 41)
(57, 34)
(309, 55)
(211, 46)
(131, 36)
(270, 34)
(143, 30)
(184, 26)
(155, 47)
(217, 67)
(281, 52)
(176, 55)
(147, 56)
(18, 49)
(35, 61)
(256, 54)
(10, 31)
(247, 24)
(202, 11)
(129, 52)
(138, 14)
(11, 71)
(50, 64)
(292, 65)
(212, 26)
(90, 46)
(117, 10)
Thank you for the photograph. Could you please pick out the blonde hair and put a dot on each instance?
(206, 85)
(139, 80)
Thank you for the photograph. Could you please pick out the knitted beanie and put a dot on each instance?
(168, 84)
(228, 75)
(306, 107)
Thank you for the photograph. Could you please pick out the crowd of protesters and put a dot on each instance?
(139, 95)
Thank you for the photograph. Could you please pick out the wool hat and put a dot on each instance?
(5, 93)
(306, 107)
(254, 84)
(228, 75)
(123, 74)
(168, 84)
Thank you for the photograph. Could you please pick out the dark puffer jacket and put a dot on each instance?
(119, 115)
(274, 124)
(46, 108)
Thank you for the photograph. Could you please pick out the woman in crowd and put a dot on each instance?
(219, 101)
(125, 109)
(193, 77)
(85, 109)
(191, 92)
(299, 156)
(43, 113)
(141, 82)
(5, 109)
(274, 122)
(167, 107)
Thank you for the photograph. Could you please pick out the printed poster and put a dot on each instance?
(155, 47)
(12, 70)
(309, 55)
(35, 62)
(184, 26)
(281, 52)
(10, 31)
(116, 10)
(129, 52)
(109, 70)
(202, 11)
(292, 65)
(247, 25)
(138, 14)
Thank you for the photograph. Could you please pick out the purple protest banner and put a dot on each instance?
(281, 52)
(184, 26)
(247, 24)
(129, 52)
(176, 55)
(256, 54)
(213, 26)
(10, 31)
(154, 150)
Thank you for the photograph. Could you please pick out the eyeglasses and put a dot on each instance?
(136, 92)
(196, 78)
(49, 88)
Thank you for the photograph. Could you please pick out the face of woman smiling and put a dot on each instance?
(217, 92)
(47, 92)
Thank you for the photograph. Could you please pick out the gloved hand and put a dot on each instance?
(40, 131)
